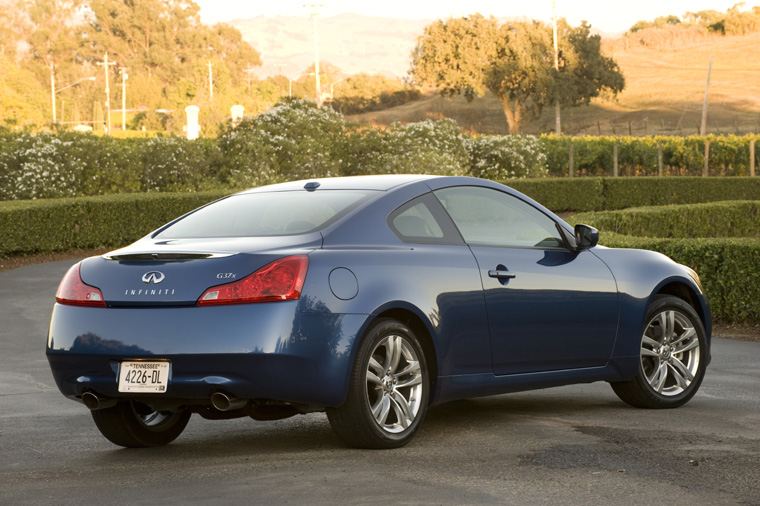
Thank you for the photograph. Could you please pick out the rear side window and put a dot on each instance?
(423, 220)
(267, 214)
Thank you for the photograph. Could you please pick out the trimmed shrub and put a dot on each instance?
(728, 269)
(89, 222)
(621, 193)
(715, 219)
(562, 195)
(719, 240)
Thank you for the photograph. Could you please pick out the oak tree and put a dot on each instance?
(515, 61)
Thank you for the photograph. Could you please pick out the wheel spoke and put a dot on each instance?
(681, 369)
(646, 352)
(413, 367)
(394, 352)
(670, 325)
(694, 343)
(376, 366)
(686, 335)
(661, 377)
(402, 409)
(373, 378)
(679, 379)
(649, 342)
(381, 409)
(413, 381)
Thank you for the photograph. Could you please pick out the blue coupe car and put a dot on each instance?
(371, 298)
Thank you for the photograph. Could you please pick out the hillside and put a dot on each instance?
(664, 93)
(352, 42)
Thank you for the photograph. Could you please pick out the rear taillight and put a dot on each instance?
(280, 280)
(74, 291)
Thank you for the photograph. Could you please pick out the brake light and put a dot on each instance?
(280, 280)
(74, 291)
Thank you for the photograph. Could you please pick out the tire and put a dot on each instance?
(389, 390)
(135, 425)
(673, 357)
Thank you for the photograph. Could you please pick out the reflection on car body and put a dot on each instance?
(371, 298)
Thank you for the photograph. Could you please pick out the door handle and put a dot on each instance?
(501, 274)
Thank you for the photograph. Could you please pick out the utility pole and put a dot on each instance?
(210, 82)
(124, 77)
(556, 67)
(703, 131)
(52, 89)
(249, 71)
(105, 64)
(314, 14)
(279, 77)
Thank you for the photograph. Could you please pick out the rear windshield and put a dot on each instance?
(267, 214)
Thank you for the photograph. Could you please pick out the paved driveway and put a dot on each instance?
(565, 446)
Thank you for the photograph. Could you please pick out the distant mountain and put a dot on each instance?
(354, 43)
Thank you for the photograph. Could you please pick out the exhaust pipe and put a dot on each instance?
(224, 402)
(93, 402)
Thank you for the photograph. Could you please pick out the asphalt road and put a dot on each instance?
(574, 445)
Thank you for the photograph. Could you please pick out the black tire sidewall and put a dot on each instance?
(379, 331)
(664, 303)
(122, 426)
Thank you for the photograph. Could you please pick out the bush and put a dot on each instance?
(563, 195)
(621, 193)
(292, 140)
(716, 219)
(727, 268)
(427, 147)
(718, 240)
(502, 158)
(89, 222)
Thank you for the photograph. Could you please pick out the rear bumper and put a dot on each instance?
(258, 351)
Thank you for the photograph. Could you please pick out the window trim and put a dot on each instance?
(566, 246)
(451, 235)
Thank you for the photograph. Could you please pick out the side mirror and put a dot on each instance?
(586, 237)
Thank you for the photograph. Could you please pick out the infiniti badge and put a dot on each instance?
(155, 276)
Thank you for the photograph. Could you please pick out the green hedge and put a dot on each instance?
(50, 225)
(715, 219)
(720, 240)
(602, 194)
(728, 269)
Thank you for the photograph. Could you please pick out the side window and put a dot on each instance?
(422, 220)
(488, 217)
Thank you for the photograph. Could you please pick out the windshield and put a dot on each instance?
(266, 214)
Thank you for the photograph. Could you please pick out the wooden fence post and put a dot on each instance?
(706, 169)
(659, 156)
(615, 170)
(570, 160)
(752, 157)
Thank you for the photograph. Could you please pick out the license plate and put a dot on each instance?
(144, 377)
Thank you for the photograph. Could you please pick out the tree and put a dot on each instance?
(515, 62)
(52, 37)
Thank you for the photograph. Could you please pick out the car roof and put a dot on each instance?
(377, 183)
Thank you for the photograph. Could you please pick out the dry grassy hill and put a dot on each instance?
(665, 86)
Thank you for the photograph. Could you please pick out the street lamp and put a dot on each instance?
(290, 84)
(52, 86)
(333, 84)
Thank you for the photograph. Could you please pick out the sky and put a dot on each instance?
(606, 16)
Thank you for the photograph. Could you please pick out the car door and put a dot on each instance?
(549, 307)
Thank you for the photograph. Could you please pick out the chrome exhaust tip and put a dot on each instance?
(93, 402)
(224, 402)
